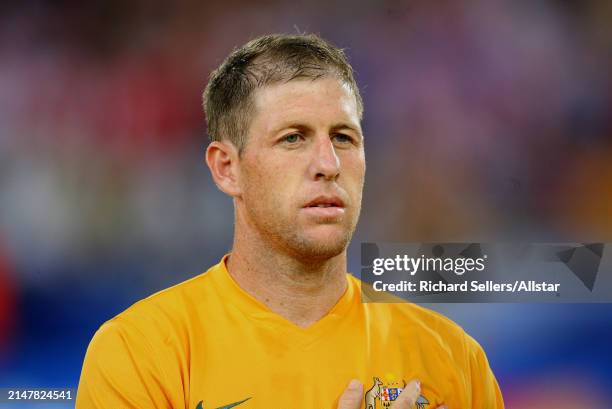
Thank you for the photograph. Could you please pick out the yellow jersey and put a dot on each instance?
(207, 344)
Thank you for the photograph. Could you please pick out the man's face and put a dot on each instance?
(303, 167)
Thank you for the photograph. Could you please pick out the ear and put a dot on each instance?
(222, 160)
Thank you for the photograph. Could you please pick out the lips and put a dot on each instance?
(325, 201)
(325, 208)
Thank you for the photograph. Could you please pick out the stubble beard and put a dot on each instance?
(312, 249)
(292, 239)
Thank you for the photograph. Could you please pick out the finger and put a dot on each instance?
(408, 396)
(352, 396)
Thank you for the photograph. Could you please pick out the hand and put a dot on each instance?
(353, 396)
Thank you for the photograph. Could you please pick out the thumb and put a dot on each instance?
(352, 396)
(408, 396)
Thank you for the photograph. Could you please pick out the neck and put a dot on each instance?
(302, 292)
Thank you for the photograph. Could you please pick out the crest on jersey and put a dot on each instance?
(382, 394)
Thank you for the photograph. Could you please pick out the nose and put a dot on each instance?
(325, 163)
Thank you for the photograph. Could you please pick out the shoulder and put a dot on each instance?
(139, 355)
(165, 314)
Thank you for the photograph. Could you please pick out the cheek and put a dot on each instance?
(354, 168)
(354, 179)
(265, 185)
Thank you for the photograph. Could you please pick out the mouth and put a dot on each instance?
(327, 208)
(325, 202)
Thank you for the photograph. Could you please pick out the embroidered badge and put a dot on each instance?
(384, 393)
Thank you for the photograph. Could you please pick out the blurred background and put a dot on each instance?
(485, 121)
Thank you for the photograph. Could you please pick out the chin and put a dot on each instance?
(319, 252)
(322, 246)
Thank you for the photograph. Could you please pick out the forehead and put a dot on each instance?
(318, 102)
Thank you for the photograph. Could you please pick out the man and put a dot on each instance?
(279, 323)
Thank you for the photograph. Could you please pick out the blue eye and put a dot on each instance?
(342, 138)
(293, 138)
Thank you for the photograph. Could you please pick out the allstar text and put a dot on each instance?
(426, 286)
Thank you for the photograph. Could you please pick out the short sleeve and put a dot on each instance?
(120, 371)
(485, 389)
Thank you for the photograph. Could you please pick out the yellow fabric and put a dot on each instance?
(206, 340)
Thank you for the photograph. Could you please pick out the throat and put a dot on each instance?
(305, 309)
(301, 297)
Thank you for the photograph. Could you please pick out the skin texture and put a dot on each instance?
(304, 142)
(322, 156)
